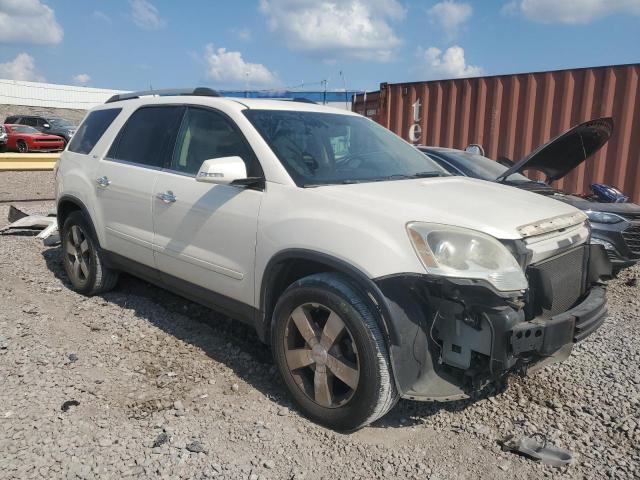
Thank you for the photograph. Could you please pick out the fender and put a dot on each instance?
(361, 280)
(83, 208)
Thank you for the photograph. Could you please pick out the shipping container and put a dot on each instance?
(510, 115)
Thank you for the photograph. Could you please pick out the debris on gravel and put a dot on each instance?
(144, 354)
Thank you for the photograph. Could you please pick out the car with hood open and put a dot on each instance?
(372, 273)
(615, 224)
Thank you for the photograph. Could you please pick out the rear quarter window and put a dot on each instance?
(92, 130)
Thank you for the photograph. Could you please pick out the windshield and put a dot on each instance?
(477, 166)
(327, 148)
(60, 122)
(23, 129)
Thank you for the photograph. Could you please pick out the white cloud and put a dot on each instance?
(230, 67)
(570, 11)
(23, 67)
(81, 79)
(358, 28)
(450, 15)
(146, 15)
(451, 64)
(28, 21)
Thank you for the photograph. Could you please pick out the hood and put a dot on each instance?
(559, 156)
(624, 209)
(494, 209)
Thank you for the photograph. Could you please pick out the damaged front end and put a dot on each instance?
(458, 335)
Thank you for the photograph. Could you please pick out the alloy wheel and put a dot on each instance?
(22, 147)
(77, 253)
(321, 355)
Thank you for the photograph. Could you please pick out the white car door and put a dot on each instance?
(125, 179)
(205, 234)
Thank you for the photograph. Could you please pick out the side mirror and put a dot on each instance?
(222, 170)
(475, 149)
(46, 125)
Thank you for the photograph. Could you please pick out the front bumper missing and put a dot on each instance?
(457, 336)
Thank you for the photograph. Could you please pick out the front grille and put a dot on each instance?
(632, 238)
(558, 283)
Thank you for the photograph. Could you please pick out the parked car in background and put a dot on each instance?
(23, 139)
(3, 139)
(616, 226)
(371, 272)
(46, 124)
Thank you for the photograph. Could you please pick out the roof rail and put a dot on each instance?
(198, 92)
(303, 100)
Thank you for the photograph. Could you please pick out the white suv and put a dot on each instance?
(371, 272)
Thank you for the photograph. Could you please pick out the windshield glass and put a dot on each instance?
(23, 129)
(327, 148)
(478, 166)
(60, 122)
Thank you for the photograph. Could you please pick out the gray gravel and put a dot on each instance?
(155, 386)
(18, 186)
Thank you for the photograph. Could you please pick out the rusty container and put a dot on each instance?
(510, 115)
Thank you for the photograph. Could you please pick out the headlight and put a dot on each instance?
(462, 253)
(603, 217)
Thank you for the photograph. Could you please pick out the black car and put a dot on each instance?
(616, 226)
(45, 124)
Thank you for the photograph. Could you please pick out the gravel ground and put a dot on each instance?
(141, 383)
(26, 186)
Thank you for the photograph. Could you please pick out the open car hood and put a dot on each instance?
(559, 156)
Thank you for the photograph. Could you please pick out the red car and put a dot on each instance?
(23, 139)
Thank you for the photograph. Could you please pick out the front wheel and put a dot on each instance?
(331, 353)
(22, 146)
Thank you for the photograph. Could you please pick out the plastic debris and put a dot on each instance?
(20, 220)
(537, 448)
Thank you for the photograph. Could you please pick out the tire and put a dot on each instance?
(22, 146)
(83, 259)
(342, 319)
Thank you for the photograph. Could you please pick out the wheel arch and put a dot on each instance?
(288, 266)
(67, 204)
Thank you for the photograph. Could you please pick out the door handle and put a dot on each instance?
(103, 182)
(167, 197)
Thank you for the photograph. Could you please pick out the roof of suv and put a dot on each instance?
(240, 103)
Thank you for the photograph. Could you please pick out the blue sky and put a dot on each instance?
(261, 44)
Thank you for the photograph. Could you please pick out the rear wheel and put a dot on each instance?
(331, 353)
(83, 259)
(22, 146)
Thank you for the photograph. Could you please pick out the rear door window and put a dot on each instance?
(147, 136)
(92, 130)
(31, 121)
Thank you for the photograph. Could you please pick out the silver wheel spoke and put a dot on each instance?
(303, 323)
(75, 234)
(76, 268)
(332, 329)
(84, 246)
(71, 249)
(322, 391)
(343, 371)
(83, 266)
(299, 358)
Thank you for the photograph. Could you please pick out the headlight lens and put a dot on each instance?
(603, 217)
(462, 253)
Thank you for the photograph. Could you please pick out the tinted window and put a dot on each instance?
(31, 121)
(11, 120)
(324, 148)
(23, 129)
(477, 166)
(92, 130)
(205, 135)
(145, 136)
